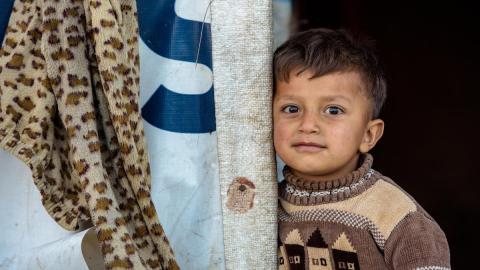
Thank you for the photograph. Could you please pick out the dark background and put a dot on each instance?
(431, 141)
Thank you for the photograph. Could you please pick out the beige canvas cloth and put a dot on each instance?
(69, 90)
(242, 49)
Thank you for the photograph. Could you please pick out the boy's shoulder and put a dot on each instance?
(412, 232)
(393, 198)
(387, 205)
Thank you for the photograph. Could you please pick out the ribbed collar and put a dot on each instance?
(300, 191)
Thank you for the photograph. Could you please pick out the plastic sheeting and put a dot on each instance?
(178, 108)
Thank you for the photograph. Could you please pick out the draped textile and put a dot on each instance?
(69, 91)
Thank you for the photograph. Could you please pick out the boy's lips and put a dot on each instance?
(308, 147)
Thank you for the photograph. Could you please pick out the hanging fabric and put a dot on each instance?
(69, 91)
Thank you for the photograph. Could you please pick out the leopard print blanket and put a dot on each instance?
(69, 108)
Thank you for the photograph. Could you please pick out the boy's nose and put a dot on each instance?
(309, 123)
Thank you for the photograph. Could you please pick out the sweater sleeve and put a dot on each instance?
(417, 243)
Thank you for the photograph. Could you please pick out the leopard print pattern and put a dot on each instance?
(69, 92)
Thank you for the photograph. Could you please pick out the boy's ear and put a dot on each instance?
(373, 133)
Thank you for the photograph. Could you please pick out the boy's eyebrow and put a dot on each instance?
(326, 98)
(331, 98)
(288, 97)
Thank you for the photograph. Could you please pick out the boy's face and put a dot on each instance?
(322, 124)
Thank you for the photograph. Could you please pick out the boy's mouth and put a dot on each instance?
(308, 147)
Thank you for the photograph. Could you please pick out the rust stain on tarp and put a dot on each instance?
(240, 195)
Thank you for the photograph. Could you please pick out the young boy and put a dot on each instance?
(336, 212)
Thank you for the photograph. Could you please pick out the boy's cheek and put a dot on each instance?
(280, 139)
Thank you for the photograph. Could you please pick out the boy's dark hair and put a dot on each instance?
(323, 51)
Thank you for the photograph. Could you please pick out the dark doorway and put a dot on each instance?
(430, 147)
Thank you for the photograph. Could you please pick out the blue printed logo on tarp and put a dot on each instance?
(176, 104)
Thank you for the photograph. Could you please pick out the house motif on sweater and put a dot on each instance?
(318, 253)
(344, 255)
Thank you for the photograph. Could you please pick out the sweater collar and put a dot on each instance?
(300, 191)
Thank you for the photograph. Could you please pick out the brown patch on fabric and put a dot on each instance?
(53, 39)
(172, 265)
(125, 149)
(121, 69)
(115, 43)
(73, 41)
(74, 81)
(37, 65)
(240, 195)
(94, 147)
(73, 12)
(51, 24)
(30, 133)
(11, 42)
(100, 187)
(103, 204)
(74, 98)
(157, 229)
(108, 76)
(120, 263)
(106, 249)
(140, 232)
(95, 4)
(107, 23)
(10, 84)
(88, 116)
(110, 55)
(72, 131)
(130, 249)
(35, 35)
(143, 194)
(81, 166)
(120, 221)
(16, 62)
(90, 134)
(104, 234)
(101, 220)
(26, 103)
(62, 54)
(149, 211)
(24, 80)
(71, 29)
(15, 115)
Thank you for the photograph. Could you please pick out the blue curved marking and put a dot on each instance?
(176, 38)
(5, 10)
(189, 121)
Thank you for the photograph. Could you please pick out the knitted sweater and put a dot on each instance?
(69, 108)
(360, 221)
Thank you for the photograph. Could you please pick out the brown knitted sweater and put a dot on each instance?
(360, 221)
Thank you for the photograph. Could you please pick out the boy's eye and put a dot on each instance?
(290, 109)
(334, 110)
